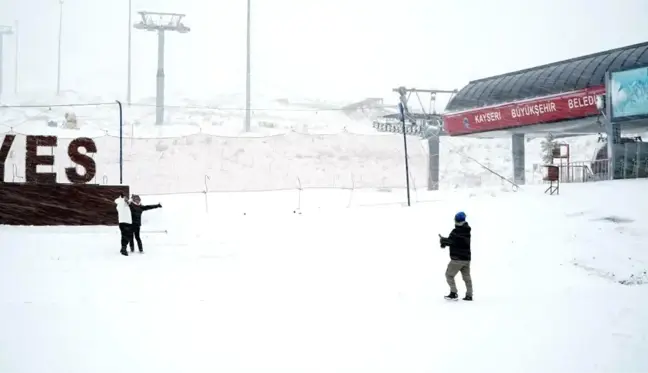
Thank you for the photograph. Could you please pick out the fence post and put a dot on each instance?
(206, 194)
(121, 143)
(414, 187)
(299, 190)
(351, 193)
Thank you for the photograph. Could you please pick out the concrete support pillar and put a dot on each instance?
(518, 154)
(612, 130)
(433, 162)
(614, 139)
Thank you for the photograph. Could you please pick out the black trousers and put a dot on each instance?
(135, 236)
(126, 234)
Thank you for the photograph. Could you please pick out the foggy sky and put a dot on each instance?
(327, 49)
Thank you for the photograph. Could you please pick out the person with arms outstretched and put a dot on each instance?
(460, 256)
(137, 209)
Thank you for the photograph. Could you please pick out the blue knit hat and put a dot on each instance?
(460, 217)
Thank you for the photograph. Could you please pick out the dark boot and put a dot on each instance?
(468, 297)
(124, 252)
(452, 296)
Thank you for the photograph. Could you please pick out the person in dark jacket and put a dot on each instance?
(137, 209)
(460, 256)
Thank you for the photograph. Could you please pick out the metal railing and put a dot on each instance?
(583, 171)
(579, 172)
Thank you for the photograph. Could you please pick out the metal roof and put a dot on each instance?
(563, 76)
(420, 116)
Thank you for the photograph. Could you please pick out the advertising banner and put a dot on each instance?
(548, 109)
(629, 93)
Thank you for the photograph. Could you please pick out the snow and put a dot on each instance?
(336, 281)
(329, 272)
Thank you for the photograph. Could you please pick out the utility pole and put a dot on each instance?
(130, 29)
(247, 72)
(60, 37)
(4, 30)
(160, 23)
(402, 108)
(17, 40)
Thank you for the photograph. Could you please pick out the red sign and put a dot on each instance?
(555, 108)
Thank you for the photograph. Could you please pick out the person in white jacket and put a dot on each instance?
(125, 222)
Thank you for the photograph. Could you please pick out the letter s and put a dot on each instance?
(81, 159)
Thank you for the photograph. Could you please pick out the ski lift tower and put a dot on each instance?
(160, 23)
(432, 126)
(4, 30)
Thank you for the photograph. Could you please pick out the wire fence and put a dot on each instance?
(194, 163)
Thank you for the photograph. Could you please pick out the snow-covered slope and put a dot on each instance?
(251, 286)
(291, 143)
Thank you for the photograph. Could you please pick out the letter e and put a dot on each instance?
(33, 160)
